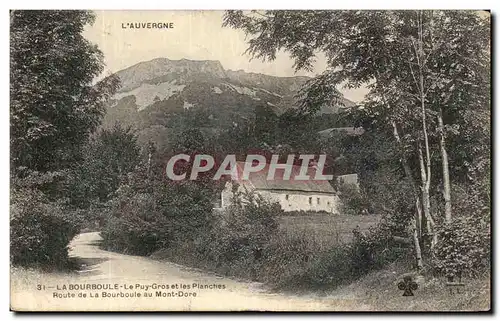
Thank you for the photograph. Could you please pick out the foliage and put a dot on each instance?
(298, 261)
(314, 267)
(108, 157)
(464, 249)
(40, 230)
(353, 201)
(466, 244)
(252, 217)
(54, 104)
(420, 67)
(245, 241)
(148, 213)
(236, 240)
(138, 229)
(239, 236)
(376, 49)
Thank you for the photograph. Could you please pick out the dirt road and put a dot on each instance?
(117, 282)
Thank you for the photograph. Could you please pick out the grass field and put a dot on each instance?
(327, 228)
(379, 290)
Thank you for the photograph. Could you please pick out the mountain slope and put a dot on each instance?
(154, 92)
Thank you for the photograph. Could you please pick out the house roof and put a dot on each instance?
(258, 180)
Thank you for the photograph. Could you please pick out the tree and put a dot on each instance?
(425, 70)
(149, 212)
(109, 156)
(55, 104)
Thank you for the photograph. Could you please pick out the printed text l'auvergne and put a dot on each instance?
(147, 25)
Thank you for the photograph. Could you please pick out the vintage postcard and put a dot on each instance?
(250, 160)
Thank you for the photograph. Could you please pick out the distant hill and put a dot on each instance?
(153, 91)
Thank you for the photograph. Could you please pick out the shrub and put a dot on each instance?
(464, 244)
(464, 248)
(134, 226)
(291, 261)
(352, 200)
(108, 156)
(245, 241)
(235, 243)
(328, 269)
(377, 248)
(241, 234)
(40, 231)
(300, 261)
(153, 214)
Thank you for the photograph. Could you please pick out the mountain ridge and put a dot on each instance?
(147, 70)
(154, 93)
(210, 67)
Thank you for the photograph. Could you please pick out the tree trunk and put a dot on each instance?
(404, 162)
(417, 223)
(446, 172)
(425, 172)
(418, 251)
(426, 201)
(418, 218)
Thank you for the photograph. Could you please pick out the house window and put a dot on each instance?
(310, 200)
(317, 200)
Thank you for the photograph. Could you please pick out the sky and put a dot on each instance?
(196, 35)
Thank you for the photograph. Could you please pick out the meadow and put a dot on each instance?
(326, 228)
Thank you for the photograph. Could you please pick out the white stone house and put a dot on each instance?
(292, 195)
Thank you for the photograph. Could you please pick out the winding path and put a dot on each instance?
(132, 274)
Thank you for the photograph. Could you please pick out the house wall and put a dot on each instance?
(303, 201)
(226, 196)
(290, 200)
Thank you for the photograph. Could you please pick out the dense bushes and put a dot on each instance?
(300, 261)
(40, 230)
(464, 245)
(235, 241)
(134, 226)
(464, 248)
(147, 214)
(246, 241)
(291, 261)
(352, 200)
(108, 156)
(239, 238)
(175, 220)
